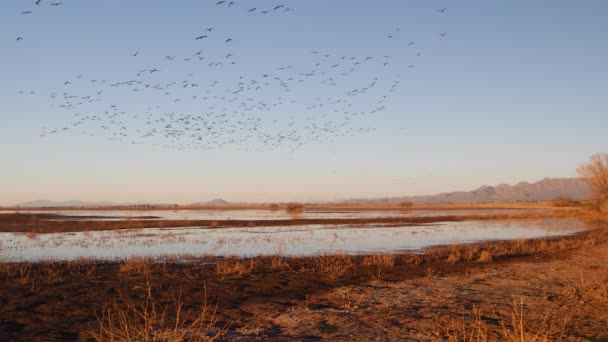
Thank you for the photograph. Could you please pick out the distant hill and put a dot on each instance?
(76, 204)
(57, 204)
(215, 202)
(543, 190)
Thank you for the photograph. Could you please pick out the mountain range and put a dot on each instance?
(543, 190)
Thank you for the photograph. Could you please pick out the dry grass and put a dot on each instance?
(378, 263)
(347, 298)
(136, 266)
(379, 260)
(521, 324)
(294, 207)
(234, 267)
(485, 257)
(152, 320)
(468, 328)
(334, 266)
(279, 263)
(564, 201)
(406, 204)
(517, 324)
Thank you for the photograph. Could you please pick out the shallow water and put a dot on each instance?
(289, 241)
(257, 214)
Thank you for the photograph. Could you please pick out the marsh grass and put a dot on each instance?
(156, 320)
(334, 266)
(294, 207)
(517, 323)
(347, 298)
(234, 267)
(331, 267)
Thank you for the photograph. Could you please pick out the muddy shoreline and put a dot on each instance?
(54, 223)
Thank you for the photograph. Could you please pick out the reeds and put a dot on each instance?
(334, 266)
(234, 267)
(154, 320)
(517, 323)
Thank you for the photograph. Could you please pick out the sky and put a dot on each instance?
(485, 92)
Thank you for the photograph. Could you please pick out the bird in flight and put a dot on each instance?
(19, 38)
(56, 3)
(220, 2)
(253, 9)
(442, 10)
(443, 34)
(37, 2)
(26, 12)
(201, 37)
(228, 40)
(136, 53)
(279, 6)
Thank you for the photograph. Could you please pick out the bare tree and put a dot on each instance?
(595, 174)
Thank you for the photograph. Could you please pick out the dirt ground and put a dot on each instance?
(531, 291)
(564, 298)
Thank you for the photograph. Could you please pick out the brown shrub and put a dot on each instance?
(154, 320)
(485, 257)
(334, 266)
(347, 299)
(294, 207)
(136, 266)
(278, 263)
(228, 268)
(595, 174)
(564, 201)
(406, 204)
(379, 260)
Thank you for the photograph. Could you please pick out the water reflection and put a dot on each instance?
(256, 214)
(289, 241)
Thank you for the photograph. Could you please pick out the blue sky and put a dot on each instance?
(515, 91)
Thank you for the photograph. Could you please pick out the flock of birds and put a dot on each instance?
(287, 105)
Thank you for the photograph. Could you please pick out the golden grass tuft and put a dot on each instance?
(485, 257)
(294, 207)
(379, 260)
(230, 268)
(154, 320)
(136, 266)
(334, 266)
(347, 298)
